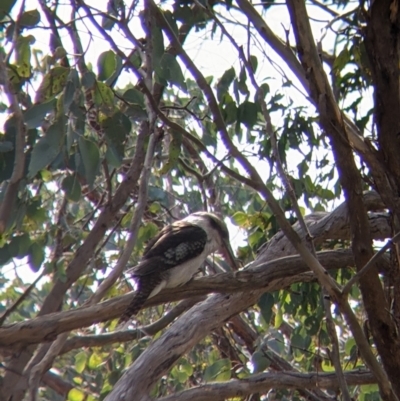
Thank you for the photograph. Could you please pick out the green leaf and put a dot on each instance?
(186, 367)
(94, 361)
(266, 303)
(260, 362)
(88, 79)
(224, 83)
(5, 8)
(76, 395)
(276, 344)
(241, 82)
(35, 256)
(103, 95)
(341, 60)
(157, 41)
(174, 152)
(30, 18)
(241, 219)
(5, 255)
(52, 84)
(254, 63)
(90, 158)
(170, 70)
(72, 188)
(218, 371)
(23, 55)
(116, 129)
(80, 361)
(134, 96)
(69, 93)
(106, 64)
(248, 114)
(35, 115)
(46, 149)
(255, 237)
(19, 245)
(229, 109)
(170, 17)
(350, 346)
(278, 318)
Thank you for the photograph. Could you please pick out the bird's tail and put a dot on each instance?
(145, 285)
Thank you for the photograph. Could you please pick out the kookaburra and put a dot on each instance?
(175, 255)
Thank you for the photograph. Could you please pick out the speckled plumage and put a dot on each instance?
(174, 256)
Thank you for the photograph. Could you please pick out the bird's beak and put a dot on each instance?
(228, 254)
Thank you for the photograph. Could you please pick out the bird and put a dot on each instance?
(175, 254)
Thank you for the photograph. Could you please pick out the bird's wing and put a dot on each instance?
(175, 244)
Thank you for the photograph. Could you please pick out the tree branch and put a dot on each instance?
(270, 276)
(263, 382)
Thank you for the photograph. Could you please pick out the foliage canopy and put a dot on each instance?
(121, 117)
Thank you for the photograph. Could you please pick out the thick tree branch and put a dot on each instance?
(130, 335)
(270, 276)
(263, 382)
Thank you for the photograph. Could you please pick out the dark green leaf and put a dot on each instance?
(248, 114)
(260, 361)
(254, 63)
(35, 256)
(69, 93)
(35, 115)
(170, 70)
(266, 304)
(19, 245)
(72, 188)
(90, 158)
(88, 79)
(157, 40)
(5, 255)
(134, 96)
(218, 371)
(171, 21)
(46, 149)
(106, 64)
(5, 8)
(225, 81)
(29, 18)
(174, 152)
(117, 129)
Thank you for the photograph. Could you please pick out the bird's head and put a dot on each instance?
(217, 234)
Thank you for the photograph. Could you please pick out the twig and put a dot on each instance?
(22, 297)
(370, 263)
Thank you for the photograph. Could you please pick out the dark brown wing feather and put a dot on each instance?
(175, 244)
